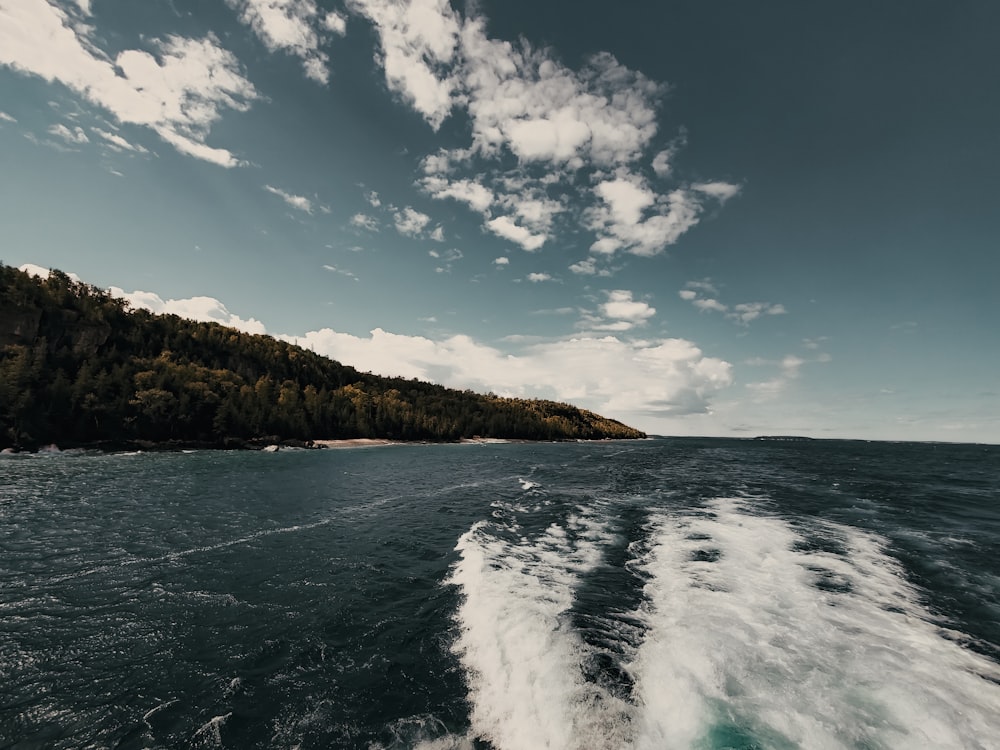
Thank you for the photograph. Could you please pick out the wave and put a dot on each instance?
(754, 631)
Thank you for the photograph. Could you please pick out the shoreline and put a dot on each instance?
(271, 446)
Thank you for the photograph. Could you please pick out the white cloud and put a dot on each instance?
(410, 222)
(204, 309)
(4, 117)
(341, 271)
(502, 261)
(117, 142)
(293, 26)
(621, 224)
(363, 221)
(418, 42)
(534, 278)
(663, 164)
(478, 197)
(555, 121)
(789, 369)
(587, 267)
(702, 286)
(448, 257)
(336, 23)
(707, 303)
(438, 234)
(621, 306)
(721, 191)
(298, 202)
(607, 374)
(373, 200)
(76, 135)
(745, 312)
(179, 89)
(41, 272)
(504, 226)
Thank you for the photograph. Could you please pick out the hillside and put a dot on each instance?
(78, 367)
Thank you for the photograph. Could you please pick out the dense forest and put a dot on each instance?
(79, 367)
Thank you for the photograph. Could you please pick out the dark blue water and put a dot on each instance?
(678, 593)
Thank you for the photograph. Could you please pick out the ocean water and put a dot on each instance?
(669, 593)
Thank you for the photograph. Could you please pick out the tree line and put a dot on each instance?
(80, 367)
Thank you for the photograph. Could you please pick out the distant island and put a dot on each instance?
(785, 438)
(78, 367)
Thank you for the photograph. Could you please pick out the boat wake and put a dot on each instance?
(742, 630)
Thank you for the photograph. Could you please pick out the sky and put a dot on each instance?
(723, 218)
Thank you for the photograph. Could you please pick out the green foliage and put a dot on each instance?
(78, 367)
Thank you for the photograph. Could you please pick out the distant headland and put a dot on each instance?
(785, 438)
(78, 367)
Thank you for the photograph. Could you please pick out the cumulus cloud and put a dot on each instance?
(569, 131)
(179, 87)
(418, 42)
(295, 27)
(297, 202)
(41, 272)
(364, 221)
(535, 278)
(605, 373)
(633, 218)
(502, 261)
(203, 309)
(621, 306)
(410, 222)
(504, 226)
(721, 191)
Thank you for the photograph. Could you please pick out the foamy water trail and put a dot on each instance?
(757, 633)
(521, 654)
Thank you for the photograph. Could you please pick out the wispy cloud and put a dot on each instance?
(70, 135)
(696, 292)
(179, 90)
(446, 258)
(339, 271)
(296, 27)
(4, 117)
(117, 142)
(298, 202)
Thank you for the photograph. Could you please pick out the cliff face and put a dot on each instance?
(18, 325)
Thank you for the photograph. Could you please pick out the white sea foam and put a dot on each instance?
(757, 633)
(522, 656)
(740, 638)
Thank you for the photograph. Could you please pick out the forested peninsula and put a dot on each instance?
(78, 367)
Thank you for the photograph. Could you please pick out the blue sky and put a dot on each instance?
(717, 218)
